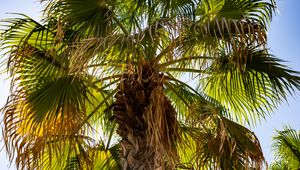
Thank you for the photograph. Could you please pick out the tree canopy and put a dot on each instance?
(141, 84)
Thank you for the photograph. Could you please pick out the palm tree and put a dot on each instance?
(165, 84)
(286, 145)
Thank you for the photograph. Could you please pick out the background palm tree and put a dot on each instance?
(166, 84)
(286, 145)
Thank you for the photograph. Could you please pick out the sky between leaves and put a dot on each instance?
(284, 42)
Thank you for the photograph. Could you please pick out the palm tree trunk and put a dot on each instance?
(147, 122)
(136, 155)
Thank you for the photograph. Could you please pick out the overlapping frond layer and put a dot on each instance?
(46, 116)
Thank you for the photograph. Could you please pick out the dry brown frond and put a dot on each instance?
(220, 143)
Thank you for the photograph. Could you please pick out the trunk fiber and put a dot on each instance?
(147, 122)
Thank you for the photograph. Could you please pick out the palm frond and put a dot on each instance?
(255, 83)
(286, 145)
(257, 10)
(87, 18)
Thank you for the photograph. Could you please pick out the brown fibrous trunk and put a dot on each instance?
(146, 121)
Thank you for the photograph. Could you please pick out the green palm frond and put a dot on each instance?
(88, 18)
(24, 31)
(66, 95)
(253, 83)
(257, 10)
(139, 13)
(104, 17)
(286, 145)
(226, 24)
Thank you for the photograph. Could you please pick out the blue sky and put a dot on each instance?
(284, 42)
